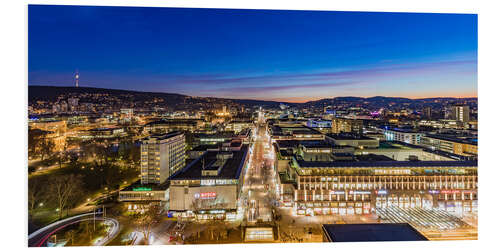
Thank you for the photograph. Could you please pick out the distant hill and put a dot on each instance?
(51, 93)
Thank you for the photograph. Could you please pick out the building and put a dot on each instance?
(294, 132)
(345, 125)
(370, 232)
(450, 144)
(73, 104)
(162, 156)
(403, 135)
(209, 187)
(238, 126)
(363, 185)
(138, 197)
(460, 113)
(168, 125)
(427, 113)
(127, 114)
(400, 151)
(321, 125)
(353, 140)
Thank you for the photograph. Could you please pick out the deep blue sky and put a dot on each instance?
(257, 54)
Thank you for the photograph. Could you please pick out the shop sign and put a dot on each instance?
(205, 196)
(450, 191)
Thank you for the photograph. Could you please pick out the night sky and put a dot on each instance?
(291, 56)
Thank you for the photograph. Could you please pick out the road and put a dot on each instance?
(39, 237)
(258, 192)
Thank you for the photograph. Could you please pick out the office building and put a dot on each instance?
(345, 125)
(403, 135)
(361, 186)
(209, 187)
(162, 156)
(460, 113)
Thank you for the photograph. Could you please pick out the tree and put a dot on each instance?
(34, 141)
(64, 189)
(46, 148)
(145, 221)
(70, 235)
(35, 194)
(62, 155)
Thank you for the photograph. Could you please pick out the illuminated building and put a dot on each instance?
(403, 135)
(459, 146)
(358, 187)
(345, 125)
(209, 187)
(352, 140)
(294, 132)
(321, 125)
(460, 113)
(162, 156)
(168, 125)
(238, 126)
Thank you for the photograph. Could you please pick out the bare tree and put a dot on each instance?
(63, 189)
(70, 235)
(145, 221)
(62, 155)
(46, 148)
(35, 194)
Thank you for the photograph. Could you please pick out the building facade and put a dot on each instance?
(362, 187)
(403, 135)
(162, 156)
(345, 125)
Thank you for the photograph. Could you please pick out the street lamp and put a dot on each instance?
(41, 204)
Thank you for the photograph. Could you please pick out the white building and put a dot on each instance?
(403, 135)
(162, 156)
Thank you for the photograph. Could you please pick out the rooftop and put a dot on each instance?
(230, 170)
(371, 232)
(384, 163)
(471, 141)
(137, 186)
(164, 136)
(349, 136)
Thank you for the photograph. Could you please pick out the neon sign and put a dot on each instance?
(205, 196)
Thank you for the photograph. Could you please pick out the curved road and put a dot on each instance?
(39, 237)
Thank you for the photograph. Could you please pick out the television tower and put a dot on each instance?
(77, 76)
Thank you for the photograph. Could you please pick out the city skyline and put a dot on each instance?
(254, 54)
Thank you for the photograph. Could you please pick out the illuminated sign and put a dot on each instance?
(359, 192)
(433, 191)
(450, 191)
(142, 189)
(205, 196)
(381, 192)
(337, 192)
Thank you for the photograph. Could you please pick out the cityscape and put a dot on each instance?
(171, 126)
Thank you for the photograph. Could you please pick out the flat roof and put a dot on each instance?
(349, 136)
(164, 136)
(361, 164)
(371, 232)
(231, 169)
(173, 121)
(404, 130)
(471, 141)
(137, 186)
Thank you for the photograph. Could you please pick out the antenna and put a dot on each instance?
(77, 76)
